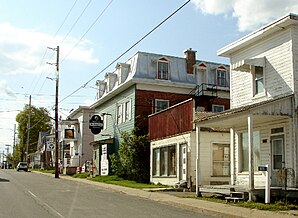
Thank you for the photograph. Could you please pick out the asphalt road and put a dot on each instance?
(25, 194)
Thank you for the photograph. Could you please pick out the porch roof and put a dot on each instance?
(266, 111)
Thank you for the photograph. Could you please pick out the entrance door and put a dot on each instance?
(277, 160)
(183, 162)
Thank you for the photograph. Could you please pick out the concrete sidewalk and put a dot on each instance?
(206, 207)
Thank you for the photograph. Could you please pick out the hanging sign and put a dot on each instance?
(95, 124)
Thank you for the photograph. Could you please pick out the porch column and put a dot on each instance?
(250, 154)
(232, 156)
(198, 129)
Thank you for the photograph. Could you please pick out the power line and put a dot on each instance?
(95, 21)
(41, 62)
(65, 18)
(77, 20)
(131, 47)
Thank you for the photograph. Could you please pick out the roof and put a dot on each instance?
(204, 117)
(273, 27)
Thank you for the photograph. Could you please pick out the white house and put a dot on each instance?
(75, 138)
(263, 114)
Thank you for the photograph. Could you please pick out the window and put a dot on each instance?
(105, 121)
(277, 153)
(156, 162)
(221, 76)
(127, 111)
(221, 159)
(161, 104)
(162, 70)
(218, 108)
(256, 151)
(164, 161)
(119, 114)
(258, 80)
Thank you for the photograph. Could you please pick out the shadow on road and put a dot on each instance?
(4, 180)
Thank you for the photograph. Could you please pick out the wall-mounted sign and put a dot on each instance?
(95, 124)
(69, 133)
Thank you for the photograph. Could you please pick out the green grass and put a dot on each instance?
(44, 171)
(81, 175)
(277, 206)
(115, 180)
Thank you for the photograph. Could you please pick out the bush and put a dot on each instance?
(133, 159)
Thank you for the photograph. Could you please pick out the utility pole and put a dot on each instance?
(56, 113)
(28, 131)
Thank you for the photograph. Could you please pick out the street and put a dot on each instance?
(27, 194)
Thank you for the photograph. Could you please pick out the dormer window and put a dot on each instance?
(163, 69)
(221, 76)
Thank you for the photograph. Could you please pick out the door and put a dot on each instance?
(277, 160)
(183, 162)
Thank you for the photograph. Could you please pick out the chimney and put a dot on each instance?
(190, 57)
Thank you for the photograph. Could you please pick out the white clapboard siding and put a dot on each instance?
(278, 70)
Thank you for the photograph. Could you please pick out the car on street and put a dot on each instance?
(22, 166)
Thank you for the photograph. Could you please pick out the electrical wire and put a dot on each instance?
(73, 25)
(95, 21)
(126, 51)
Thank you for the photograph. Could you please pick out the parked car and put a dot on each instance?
(22, 166)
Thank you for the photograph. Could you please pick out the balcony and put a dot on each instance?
(206, 89)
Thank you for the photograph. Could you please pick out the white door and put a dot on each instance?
(183, 162)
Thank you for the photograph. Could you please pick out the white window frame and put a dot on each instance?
(160, 75)
(226, 160)
(217, 105)
(127, 111)
(240, 142)
(221, 81)
(256, 80)
(119, 108)
(105, 121)
(159, 162)
(161, 100)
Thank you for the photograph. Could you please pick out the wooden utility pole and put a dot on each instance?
(56, 113)
(28, 131)
(56, 116)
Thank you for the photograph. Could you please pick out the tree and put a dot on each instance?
(133, 159)
(39, 122)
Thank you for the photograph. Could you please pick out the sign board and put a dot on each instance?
(95, 124)
(104, 162)
(262, 168)
(50, 146)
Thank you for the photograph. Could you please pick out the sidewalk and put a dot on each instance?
(206, 207)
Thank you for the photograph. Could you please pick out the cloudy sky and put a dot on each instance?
(91, 34)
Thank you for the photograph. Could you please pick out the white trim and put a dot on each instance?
(244, 65)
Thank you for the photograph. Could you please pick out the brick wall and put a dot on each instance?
(145, 104)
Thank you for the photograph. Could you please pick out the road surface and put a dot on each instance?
(27, 194)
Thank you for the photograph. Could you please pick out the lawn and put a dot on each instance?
(115, 180)
(277, 206)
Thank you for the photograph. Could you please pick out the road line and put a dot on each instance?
(45, 204)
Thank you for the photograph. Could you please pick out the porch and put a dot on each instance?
(261, 133)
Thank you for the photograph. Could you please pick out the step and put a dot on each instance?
(234, 199)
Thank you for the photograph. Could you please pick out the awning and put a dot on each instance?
(244, 65)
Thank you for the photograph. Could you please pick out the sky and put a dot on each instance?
(92, 34)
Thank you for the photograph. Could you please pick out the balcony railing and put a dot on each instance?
(206, 89)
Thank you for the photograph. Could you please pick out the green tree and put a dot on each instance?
(133, 159)
(39, 122)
